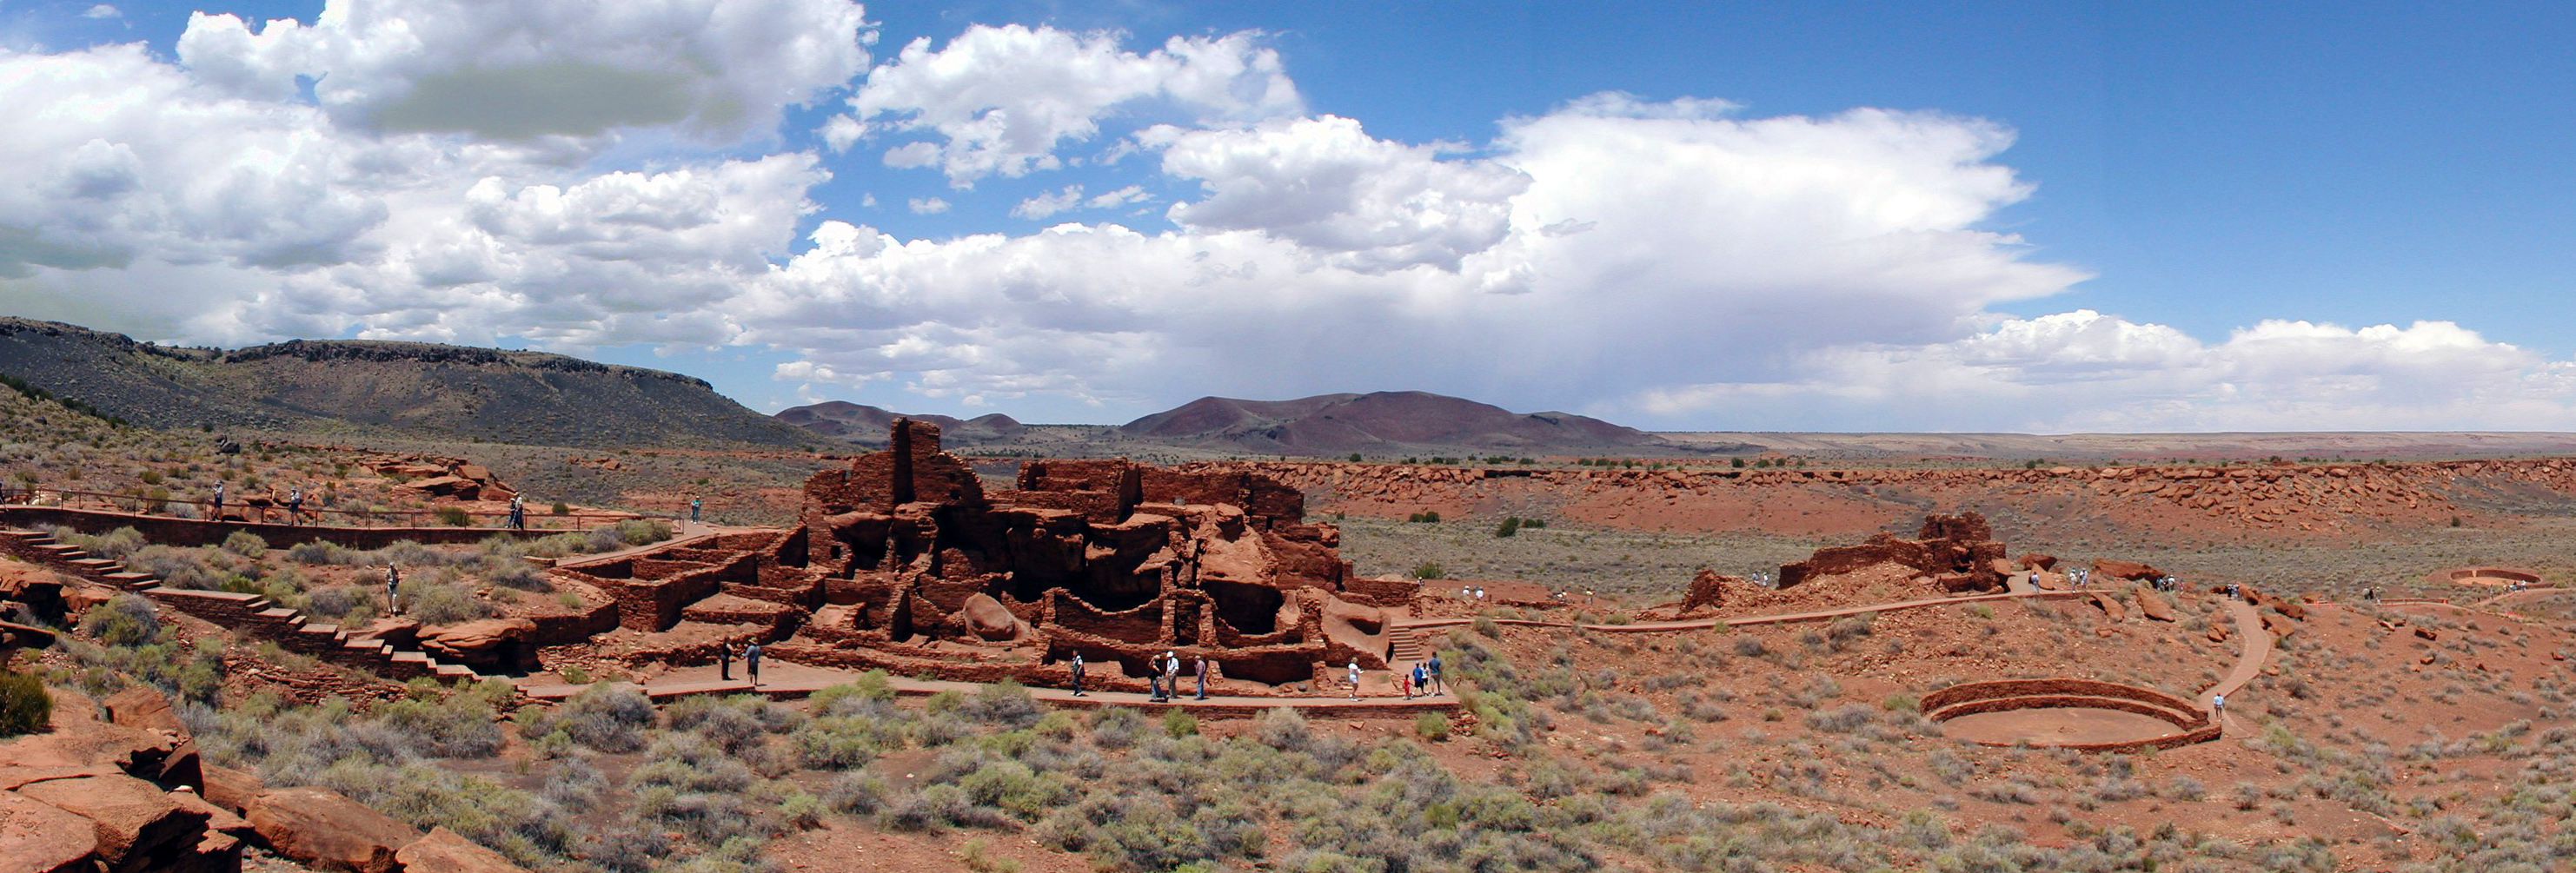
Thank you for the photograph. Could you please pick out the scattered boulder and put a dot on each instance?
(2218, 631)
(2426, 633)
(230, 789)
(325, 830)
(989, 620)
(2118, 569)
(445, 851)
(38, 838)
(143, 707)
(2278, 626)
(2153, 607)
(2037, 561)
(489, 645)
(2110, 606)
(135, 822)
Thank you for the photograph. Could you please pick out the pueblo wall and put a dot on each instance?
(1112, 558)
(1957, 551)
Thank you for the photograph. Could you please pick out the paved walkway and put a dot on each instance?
(784, 681)
(682, 533)
(2256, 649)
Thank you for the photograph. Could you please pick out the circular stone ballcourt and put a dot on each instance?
(2056, 727)
(2491, 577)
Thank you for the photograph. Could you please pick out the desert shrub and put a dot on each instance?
(929, 809)
(320, 552)
(455, 728)
(178, 568)
(689, 763)
(335, 603)
(1428, 570)
(454, 516)
(124, 620)
(435, 604)
(245, 544)
(642, 531)
(25, 707)
(627, 850)
(518, 574)
(1431, 726)
(735, 723)
(113, 545)
(1750, 646)
(1841, 720)
(1486, 625)
(857, 793)
(1180, 723)
(1116, 727)
(1002, 703)
(603, 717)
(1849, 628)
(573, 781)
(1284, 729)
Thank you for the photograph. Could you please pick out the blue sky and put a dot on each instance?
(2042, 217)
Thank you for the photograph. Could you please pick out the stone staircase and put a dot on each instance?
(247, 614)
(1408, 644)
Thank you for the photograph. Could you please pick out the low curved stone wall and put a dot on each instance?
(2191, 724)
(2482, 576)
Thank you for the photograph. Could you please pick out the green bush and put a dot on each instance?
(454, 516)
(1180, 723)
(1428, 570)
(126, 620)
(25, 708)
(1431, 726)
(1511, 525)
(434, 604)
(245, 544)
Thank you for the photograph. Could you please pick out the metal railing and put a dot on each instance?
(265, 510)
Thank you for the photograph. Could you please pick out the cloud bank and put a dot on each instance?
(588, 175)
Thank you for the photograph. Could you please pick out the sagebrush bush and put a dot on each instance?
(603, 717)
(434, 604)
(124, 620)
(245, 544)
(25, 707)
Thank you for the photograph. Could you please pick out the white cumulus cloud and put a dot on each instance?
(1001, 100)
(518, 71)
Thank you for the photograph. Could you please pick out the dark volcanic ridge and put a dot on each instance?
(370, 387)
(1380, 424)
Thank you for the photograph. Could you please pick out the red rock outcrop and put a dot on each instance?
(445, 851)
(489, 645)
(2117, 569)
(325, 830)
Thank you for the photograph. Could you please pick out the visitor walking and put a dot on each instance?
(751, 663)
(219, 502)
(1202, 672)
(1160, 675)
(1422, 679)
(1077, 674)
(393, 590)
(518, 512)
(1403, 685)
(1355, 679)
(724, 660)
(2218, 705)
(1434, 664)
(294, 505)
(694, 503)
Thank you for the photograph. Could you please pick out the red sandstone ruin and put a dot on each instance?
(1959, 552)
(902, 557)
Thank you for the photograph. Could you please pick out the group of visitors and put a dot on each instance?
(518, 512)
(1467, 592)
(750, 660)
(2166, 583)
(1165, 676)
